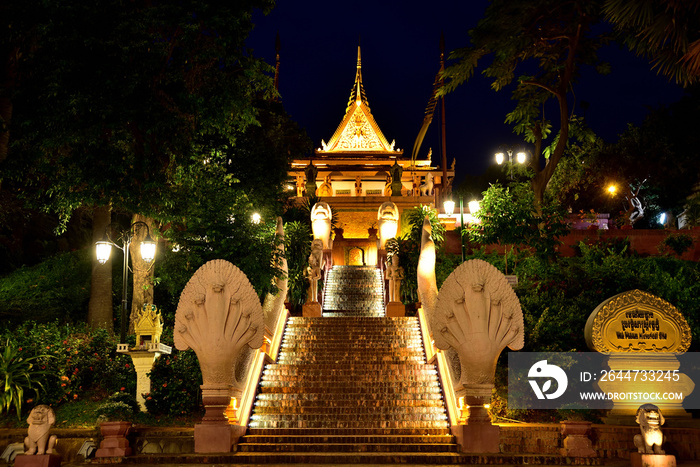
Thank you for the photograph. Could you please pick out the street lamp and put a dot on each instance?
(103, 249)
(449, 206)
(520, 157)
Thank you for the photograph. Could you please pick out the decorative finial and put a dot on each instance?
(277, 64)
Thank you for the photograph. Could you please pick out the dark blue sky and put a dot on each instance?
(400, 57)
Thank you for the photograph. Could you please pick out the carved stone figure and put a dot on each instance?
(326, 188)
(218, 315)
(38, 440)
(396, 173)
(387, 186)
(427, 282)
(311, 172)
(313, 270)
(358, 186)
(476, 313)
(394, 274)
(426, 188)
(321, 216)
(650, 420)
(387, 222)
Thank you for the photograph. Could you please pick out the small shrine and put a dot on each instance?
(148, 327)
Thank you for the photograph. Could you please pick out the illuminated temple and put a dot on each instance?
(353, 172)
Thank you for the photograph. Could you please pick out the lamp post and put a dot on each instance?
(103, 248)
(520, 157)
(449, 206)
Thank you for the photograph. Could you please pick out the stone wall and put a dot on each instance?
(643, 242)
(609, 441)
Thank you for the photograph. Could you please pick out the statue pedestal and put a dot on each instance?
(649, 460)
(39, 460)
(143, 364)
(576, 443)
(214, 434)
(478, 437)
(395, 310)
(213, 437)
(114, 442)
(311, 310)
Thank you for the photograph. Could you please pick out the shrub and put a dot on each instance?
(58, 288)
(19, 375)
(175, 381)
(73, 360)
(678, 243)
(119, 406)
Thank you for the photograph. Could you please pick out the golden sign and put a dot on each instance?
(637, 321)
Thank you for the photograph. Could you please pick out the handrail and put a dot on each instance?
(266, 354)
(437, 357)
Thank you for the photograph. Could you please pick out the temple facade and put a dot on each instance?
(357, 171)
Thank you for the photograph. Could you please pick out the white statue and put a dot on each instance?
(38, 440)
(387, 222)
(426, 188)
(219, 314)
(394, 274)
(650, 420)
(321, 216)
(313, 270)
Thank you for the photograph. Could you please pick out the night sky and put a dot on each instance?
(400, 58)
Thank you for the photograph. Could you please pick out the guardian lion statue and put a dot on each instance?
(426, 188)
(40, 421)
(650, 420)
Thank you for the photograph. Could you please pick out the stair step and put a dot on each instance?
(356, 439)
(327, 447)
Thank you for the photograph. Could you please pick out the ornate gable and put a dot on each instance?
(358, 132)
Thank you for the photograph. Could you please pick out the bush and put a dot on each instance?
(679, 243)
(73, 361)
(120, 406)
(58, 288)
(19, 375)
(175, 381)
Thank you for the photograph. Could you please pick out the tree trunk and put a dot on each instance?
(9, 81)
(100, 309)
(142, 271)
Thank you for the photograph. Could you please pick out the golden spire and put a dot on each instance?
(357, 95)
(358, 131)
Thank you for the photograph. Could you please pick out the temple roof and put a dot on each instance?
(358, 131)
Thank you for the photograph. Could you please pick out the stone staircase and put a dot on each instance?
(350, 389)
(353, 291)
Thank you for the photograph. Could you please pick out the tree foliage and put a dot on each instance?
(116, 104)
(546, 42)
(506, 217)
(667, 32)
(661, 155)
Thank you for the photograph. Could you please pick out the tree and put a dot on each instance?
(120, 105)
(506, 217)
(661, 156)
(667, 32)
(548, 41)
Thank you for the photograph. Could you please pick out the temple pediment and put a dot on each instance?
(358, 131)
